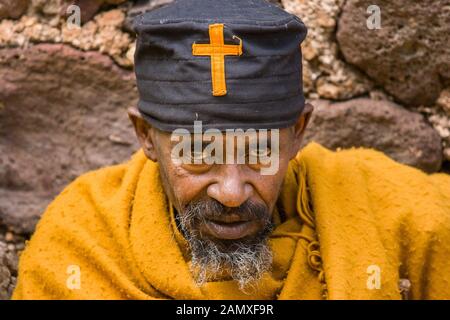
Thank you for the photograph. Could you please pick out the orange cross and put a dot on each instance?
(217, 50)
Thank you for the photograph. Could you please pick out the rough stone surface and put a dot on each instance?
(444, 101)
(62, 113)
(88, 8)
(8, 269)
(325, 74)
(440, 120)
(47, 10)
(103, 33)
(13, 8)
(409, 56)
(403, 135)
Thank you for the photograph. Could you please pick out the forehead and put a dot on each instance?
(249, 135)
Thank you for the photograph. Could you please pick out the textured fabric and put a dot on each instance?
(363, 209)
(264, 83)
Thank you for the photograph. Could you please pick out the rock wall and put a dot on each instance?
(64, 92)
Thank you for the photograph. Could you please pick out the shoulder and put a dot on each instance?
(85, 225)
(87, 209)
(374, 166)
(397, 195)
(87, 196)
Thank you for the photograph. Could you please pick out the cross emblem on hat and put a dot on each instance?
(217, 50)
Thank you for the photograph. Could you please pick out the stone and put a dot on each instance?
(447, 154)
(8, 271)
(324, 72)
(53, 9)
(64, 113)
(9, 237)
(383, 125)
(103, 33)
(5, 279)
(13, 9)
(114, 2)
(55, 12)
(444, 100)
(88, 8)
(48, 10)
(409, 56)
(111, 18)
(440, 121)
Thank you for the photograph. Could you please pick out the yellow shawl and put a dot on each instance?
(363, 208)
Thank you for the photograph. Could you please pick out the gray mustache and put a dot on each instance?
(205, 209)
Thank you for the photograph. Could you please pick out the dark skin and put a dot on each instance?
(230, 184)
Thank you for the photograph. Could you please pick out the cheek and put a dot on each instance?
(269, 189)
(180, 184)
(185, 185)
(269, 186)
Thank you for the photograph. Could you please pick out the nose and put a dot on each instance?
(230, 188)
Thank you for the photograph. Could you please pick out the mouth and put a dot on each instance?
(231, 228)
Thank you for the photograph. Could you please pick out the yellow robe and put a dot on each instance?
(366, 211)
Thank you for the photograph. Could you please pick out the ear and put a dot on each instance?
(144, 133)
(300, 126)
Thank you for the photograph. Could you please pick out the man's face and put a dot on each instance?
(232, 187)
(224, 210)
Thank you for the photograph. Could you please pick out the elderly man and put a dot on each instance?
(219, 203)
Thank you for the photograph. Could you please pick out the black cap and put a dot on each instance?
(251, 48)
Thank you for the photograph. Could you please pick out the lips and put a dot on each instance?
(229, 218)
(231, 228)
